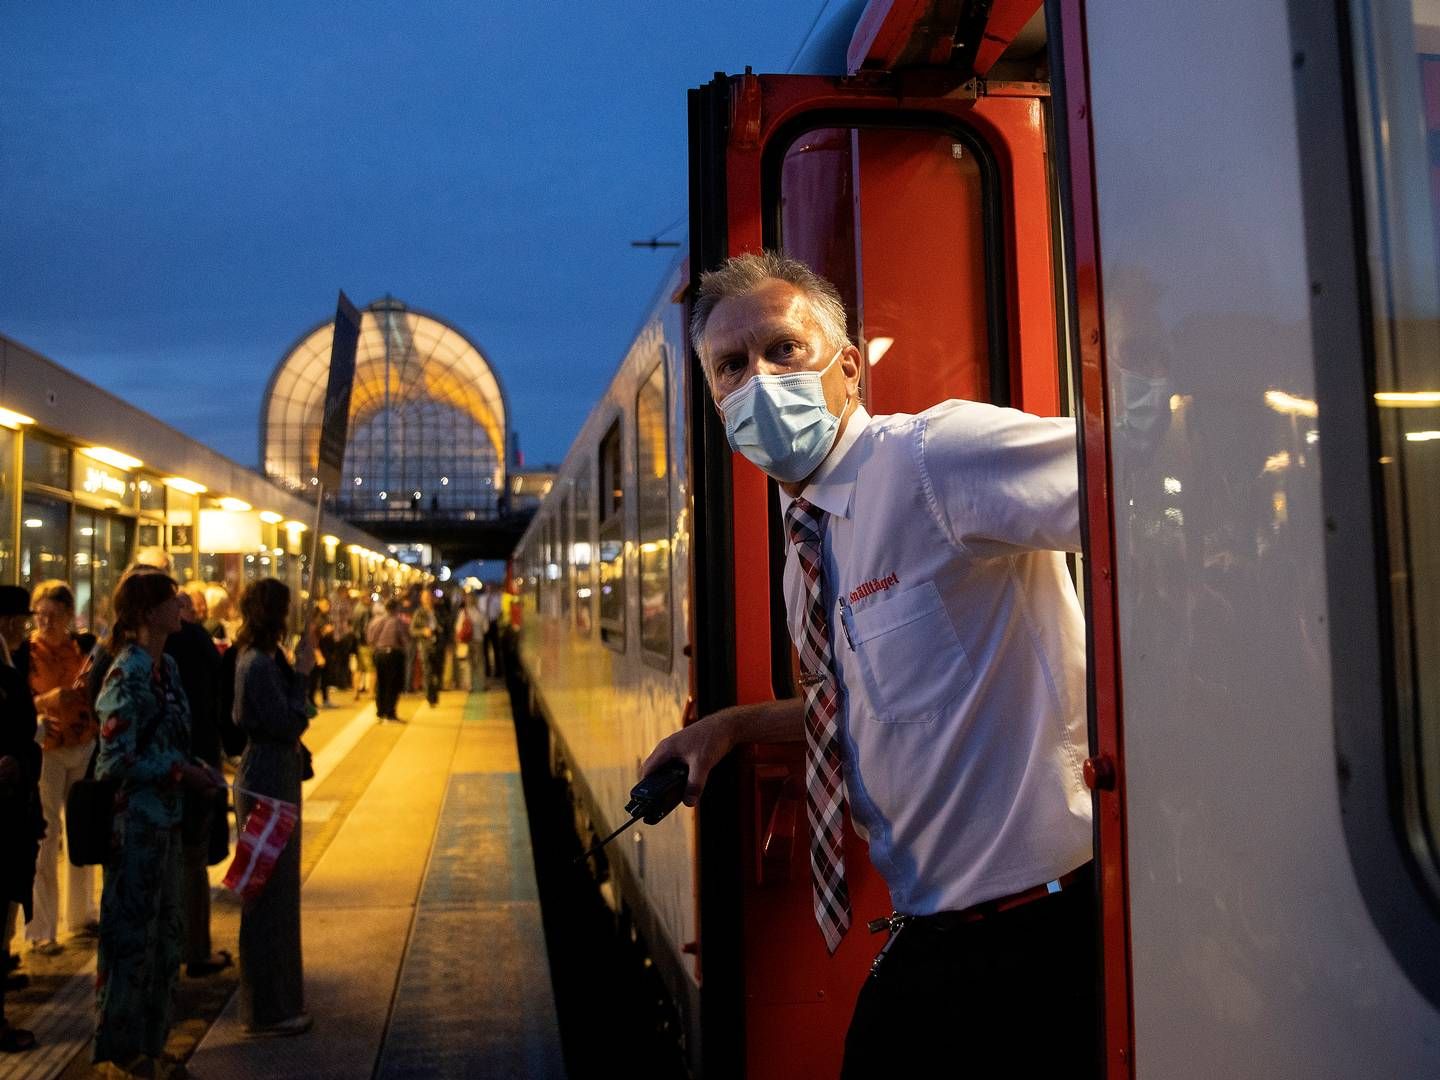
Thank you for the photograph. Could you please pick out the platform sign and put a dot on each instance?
(335, 426)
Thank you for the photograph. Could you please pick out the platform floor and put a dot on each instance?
(424, 955)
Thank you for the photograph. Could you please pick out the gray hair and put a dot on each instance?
(744, 274)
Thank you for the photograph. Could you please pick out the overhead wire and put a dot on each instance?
(825, 6)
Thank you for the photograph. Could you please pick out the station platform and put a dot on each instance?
(423, 947)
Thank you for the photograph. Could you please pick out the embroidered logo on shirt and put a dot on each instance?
(874, 585)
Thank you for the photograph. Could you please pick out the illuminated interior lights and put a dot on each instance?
(14, 420)
(1290, 405)
(1410, 399)
(112, 457)
(1422, 436)
(33, 523)
(295, 526)
(1276, 462)
(238, 506)
(270, 517)
(190, 487)
(876, 348)
(329, 540)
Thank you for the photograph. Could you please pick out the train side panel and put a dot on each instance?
(1254, 950)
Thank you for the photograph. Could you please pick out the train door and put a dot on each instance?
(931, 213)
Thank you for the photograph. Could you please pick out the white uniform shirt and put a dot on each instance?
(959, 646)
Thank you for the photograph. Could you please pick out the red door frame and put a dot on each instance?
(1008, 118)
(1105, 771)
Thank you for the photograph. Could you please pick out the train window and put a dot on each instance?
(562, 558)
(653, 508)
(44, 524)
(582, 582)
(100, 546)
(551, 555)
(7, 478)
(919, 280)
(925, 249)
(1400, 131)
(612, 539)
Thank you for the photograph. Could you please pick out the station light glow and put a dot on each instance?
(112, 457)
(293, 526)
(1290, 405)
(190, 487)
(14, 420)
(1422, 436)
(271, 518)
(238, 506)
(33, 523)
(1411, 399)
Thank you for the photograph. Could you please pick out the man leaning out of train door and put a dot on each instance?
(942, 658)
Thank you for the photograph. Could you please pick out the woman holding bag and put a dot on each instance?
(56, 659)
(144, 748)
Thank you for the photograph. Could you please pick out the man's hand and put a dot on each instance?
(700, 746)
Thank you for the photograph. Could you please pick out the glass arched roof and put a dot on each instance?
(421, 387)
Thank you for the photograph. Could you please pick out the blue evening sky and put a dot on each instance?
(184, 186)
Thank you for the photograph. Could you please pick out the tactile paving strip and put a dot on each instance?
(474, 997)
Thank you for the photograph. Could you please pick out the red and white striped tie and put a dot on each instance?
(824, 781)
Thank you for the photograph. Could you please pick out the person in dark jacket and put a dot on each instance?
(270, 705)
(24, 821)
(195, 654)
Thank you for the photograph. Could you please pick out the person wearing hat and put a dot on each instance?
(19, 787)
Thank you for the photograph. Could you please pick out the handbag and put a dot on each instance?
(90, 810)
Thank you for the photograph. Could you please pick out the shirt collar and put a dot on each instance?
(832, 487)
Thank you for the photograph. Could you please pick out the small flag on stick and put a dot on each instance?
(266, 832)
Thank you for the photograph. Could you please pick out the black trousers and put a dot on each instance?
(389, 675)
(1011, 995)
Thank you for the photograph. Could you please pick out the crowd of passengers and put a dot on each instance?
(179, 688)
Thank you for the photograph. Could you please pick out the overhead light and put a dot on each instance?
(239, 506)
(13, 420)
(33, 523)
(295, 526)
(1290, 405)
(354, 549)
(1414, 399)
(270, 517)
(1422, 436)
(112, 457)
(190, 487)
(329, 540)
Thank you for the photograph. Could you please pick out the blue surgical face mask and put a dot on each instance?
(781, 422)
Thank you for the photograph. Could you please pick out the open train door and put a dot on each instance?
(923, 189)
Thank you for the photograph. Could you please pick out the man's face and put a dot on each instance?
(187, 607)
(772, 331)
(12, 629)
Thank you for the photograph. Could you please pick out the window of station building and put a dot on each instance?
(46, 463)
(100, 551)
(611, 534)
(1398, 76)
(44, 533)
(652, 504)
(580, 558)
(151, 493)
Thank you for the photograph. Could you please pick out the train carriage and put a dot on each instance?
(1209, 232)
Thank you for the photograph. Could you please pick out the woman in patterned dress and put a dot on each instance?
(144, 747)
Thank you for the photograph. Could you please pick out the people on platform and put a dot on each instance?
(361, 612)
(389, 639)
(947, 711)
(493, 606)
(20, 810)
(145, 749)
(57, 657)
(270, 705)
(205, 828)
(425, 629)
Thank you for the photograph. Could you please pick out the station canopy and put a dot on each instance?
(427, 418)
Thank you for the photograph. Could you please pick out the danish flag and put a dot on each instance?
(267, 830)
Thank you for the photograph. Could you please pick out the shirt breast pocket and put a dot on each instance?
(910, 656)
